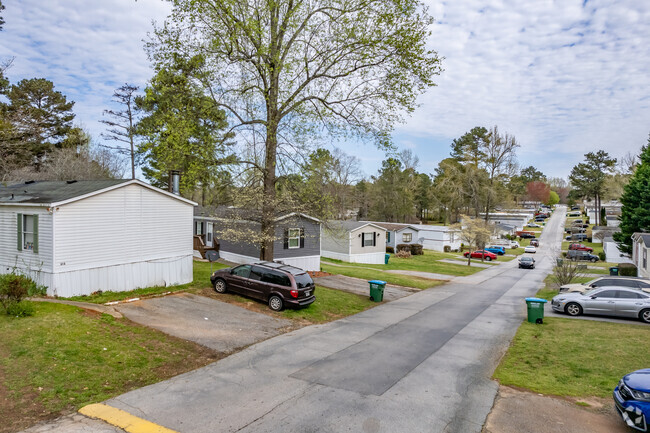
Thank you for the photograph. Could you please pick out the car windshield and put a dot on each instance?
(303, 280)
(526, 259)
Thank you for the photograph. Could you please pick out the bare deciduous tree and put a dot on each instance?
(122, 126)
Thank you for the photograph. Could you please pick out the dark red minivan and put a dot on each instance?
(277, 284)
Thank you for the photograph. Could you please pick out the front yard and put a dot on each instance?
(577, 358)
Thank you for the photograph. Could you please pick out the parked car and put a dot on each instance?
(575, 230)
(581, 256)
(631, 282)
(575, 207)
(276, 284)
(514, 245)
(482, 253)
(527, 236)
(533, 225)
(581, 248)
(605, 301)
(573, 214)
(539, 220)
(530, 249)
(496, 250)
(632, 399)
(534, 242)
(577, 222)
(527, 262)
(577, 237)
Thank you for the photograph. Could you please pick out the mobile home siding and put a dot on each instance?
(37, 265)
(312, 238)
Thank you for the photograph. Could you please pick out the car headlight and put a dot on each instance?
(640, 395)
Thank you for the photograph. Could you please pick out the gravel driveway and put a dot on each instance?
(211, 323)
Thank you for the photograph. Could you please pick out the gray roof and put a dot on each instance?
(48, 192)
(351, 225)
(645, 237)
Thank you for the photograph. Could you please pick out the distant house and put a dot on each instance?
(640, 247)
(354, 242)
(398, 233)
(612, 253)
(436, 238)
(599, 233)
(78, 237)
(516, 219)
(297, 236)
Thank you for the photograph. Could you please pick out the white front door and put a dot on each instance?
(208, 235)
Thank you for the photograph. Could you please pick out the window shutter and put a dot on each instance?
(363, 236)
(35, 234)
(19, 233)
(286, 239)
(302, 238)
(374, 239)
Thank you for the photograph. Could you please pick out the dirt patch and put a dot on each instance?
(521, 411)
(316, 274)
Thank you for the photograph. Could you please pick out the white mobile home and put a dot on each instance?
(398, 233)
(436, 238)
(640, 247)
(78, 237)
(354, 242)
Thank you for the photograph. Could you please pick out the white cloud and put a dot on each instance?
(562, 77)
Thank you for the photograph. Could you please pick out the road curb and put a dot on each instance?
(122, 419)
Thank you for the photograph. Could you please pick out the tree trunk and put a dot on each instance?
(268, 200)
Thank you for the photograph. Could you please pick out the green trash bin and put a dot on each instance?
(386, 257)
(377, 290)
(535, 310)
(613, 271)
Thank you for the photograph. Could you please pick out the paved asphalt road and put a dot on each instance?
(420, 363)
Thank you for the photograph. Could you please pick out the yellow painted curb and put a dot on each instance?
(122, 419)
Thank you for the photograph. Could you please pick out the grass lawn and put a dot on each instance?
(63, 358)
(371, 274)
(568, 357)
(551, 289)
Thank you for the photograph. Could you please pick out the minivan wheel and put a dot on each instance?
(644, 315)
(275, 303)
(573, 309)
(219, 285)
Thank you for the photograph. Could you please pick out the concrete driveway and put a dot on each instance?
(209, 322)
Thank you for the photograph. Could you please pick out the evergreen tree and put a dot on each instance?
(182, 129)
(635, 213)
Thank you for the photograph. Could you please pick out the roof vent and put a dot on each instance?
(70, 181)
(29, 182)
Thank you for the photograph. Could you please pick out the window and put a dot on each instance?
(275, 277)
(607, 294)
(407, 237)
(629, 295)
(294, 238)
(645, 259)
(198, 228)
(27, 232)
(242, 271)
(368, 239)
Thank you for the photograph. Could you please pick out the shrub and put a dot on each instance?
(403, 254)
(416, 250)
(602, 256)
(403, 247)
(447, 248)
(20, 309)
(390, 250)
(13, 289)
(564, 254)
(627, 270)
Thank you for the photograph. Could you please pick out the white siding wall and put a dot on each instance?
(38, 266)
(368, 258)
(126, 238)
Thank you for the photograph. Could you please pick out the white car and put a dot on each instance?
(533, 225)
(514, 245)
(530, 249)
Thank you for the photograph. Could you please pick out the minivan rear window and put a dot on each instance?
(303, 280)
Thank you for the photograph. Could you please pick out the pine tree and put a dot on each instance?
(635, 213)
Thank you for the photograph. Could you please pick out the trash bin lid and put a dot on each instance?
(377, 282)
(536, 300)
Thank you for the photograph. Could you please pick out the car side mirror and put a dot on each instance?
(593, 297)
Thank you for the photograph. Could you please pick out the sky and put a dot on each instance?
(564, 77)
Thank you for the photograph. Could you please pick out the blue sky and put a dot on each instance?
(564, 77)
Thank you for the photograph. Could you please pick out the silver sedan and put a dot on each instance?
(605, 301)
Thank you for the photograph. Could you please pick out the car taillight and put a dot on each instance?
(294, 293)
